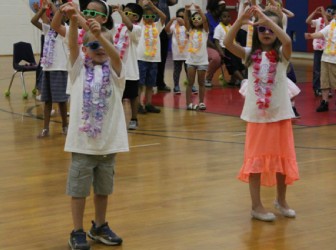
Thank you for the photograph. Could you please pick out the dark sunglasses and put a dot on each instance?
(181, 17)
(196, 18)
(93, 45)
(92, 13)
(263, 29)
(149, 16)
(330, 11)
(129, 13)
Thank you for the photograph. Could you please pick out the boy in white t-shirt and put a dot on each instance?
(126, 39)
(328, 60)
(233, 64)
(149, 53)
(319, 43)
(54, 70)
(97, 128)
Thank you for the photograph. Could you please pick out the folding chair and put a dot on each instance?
(22, 51)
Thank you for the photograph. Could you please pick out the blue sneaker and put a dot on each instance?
(104, 235)
(177, 90)
(78, 241)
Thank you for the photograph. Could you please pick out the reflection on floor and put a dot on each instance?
(228, 101)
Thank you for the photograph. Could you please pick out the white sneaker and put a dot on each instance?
(208, 83)
(133, 124)
(201, 106)
(53, 112)
(38, 97)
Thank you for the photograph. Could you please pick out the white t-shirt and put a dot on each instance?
(113, 137)
(182, 36)
(220, 33)
(280, 106)
(318, 24)
(60, 53)
(151, 40)
(198, 40)
(326, 56)
(130, 57)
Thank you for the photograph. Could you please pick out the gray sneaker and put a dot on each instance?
(78, 241)
(104, 234)
(208, 83)
(133, 124)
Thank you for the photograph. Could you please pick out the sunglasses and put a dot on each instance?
(129, 13)
(93, 13)
(263, 29)
(196, 18)
(330, 11)
(181, 17)
(149, 16)
(93, 45)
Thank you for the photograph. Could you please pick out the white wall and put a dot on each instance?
(15, 26)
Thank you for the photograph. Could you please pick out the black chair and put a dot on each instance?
(22, 52)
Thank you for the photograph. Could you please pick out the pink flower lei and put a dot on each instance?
(48, 49)
(122, 48)
(263, 90)
(95, 104)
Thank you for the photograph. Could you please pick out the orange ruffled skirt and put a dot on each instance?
(269, 149)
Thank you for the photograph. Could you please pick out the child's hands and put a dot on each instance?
(263, 20)
(94, 27)
(69, 9)
(36, 7)
(308, 36)
(116, 8)
(197, 8)
(245, 18)
(188, 6)
(275, 9)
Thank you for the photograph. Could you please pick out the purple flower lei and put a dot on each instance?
(48, 48)
(95, 104)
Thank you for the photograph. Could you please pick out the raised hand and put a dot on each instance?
(94, 27)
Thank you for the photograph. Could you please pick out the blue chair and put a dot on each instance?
(22, 51)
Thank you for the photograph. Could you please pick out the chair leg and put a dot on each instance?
(7, 93)
(25, 94)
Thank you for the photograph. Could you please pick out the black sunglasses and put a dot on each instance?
(149, 16)
(262, 29)
(93, 45)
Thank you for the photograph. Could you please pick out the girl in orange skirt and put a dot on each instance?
(269, 158)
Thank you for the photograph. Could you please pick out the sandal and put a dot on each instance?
(44, 133)
(202, 106)
(192, 107)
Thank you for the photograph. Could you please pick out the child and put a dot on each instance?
(232, 63)
(318, 44)
(269, 148)
(197, 60)
(328, 60)
(54, 74)
(126, 40)
(97, 127)
(149, 54)
(179, 45)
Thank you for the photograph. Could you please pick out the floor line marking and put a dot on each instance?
(145, 145)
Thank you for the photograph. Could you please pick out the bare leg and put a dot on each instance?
(134, 107)
(254, 184)
(191, 79)
(201, 79)
(281, 190)
(47, 110)
(77, 209)
(100, 202)
(63, 110)
(149, 94)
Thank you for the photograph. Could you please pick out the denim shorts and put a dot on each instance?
(87, 170)
(197, 67)
(148, 72)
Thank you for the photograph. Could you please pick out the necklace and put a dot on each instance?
(151, 42)
(121, 46)
(48, 49)
(80, 36)
(331, 46)
(263, 87)
(95, 94)
(195, 49)
(182, 44)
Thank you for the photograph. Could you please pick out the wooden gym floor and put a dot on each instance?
(176, 188)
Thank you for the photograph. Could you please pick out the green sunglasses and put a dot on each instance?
(93, 13)
(149, 16)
